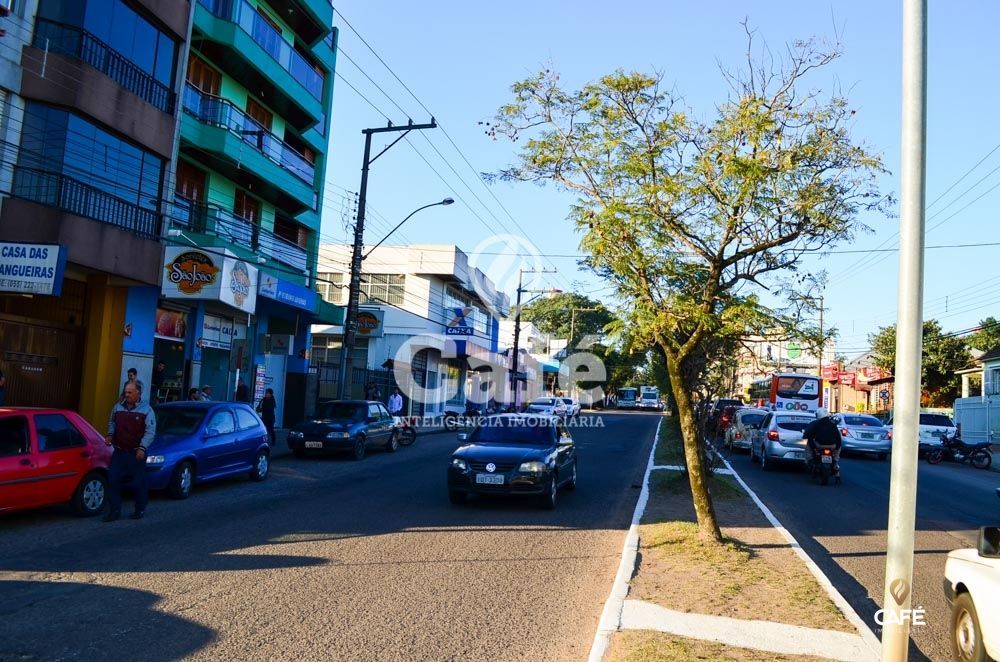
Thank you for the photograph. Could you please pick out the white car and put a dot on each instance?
(740, 432)
(972, 586)
(550, 406)
(572, 406)
(931, 427)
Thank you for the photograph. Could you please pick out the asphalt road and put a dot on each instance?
(330, 559)
(843, 528)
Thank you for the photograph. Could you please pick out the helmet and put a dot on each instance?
(821, 412)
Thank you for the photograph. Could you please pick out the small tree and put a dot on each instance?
(693, 220)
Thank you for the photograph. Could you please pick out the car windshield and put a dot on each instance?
(752, 419)
(343, 411)
(543, 401)
(936, 419)
(722, 404)
(179, 420)
(568, 401)
(794, 423)
(862, 421)
(526, 431)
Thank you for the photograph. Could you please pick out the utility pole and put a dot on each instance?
(517, 326)
(354, 291)
(897, 598)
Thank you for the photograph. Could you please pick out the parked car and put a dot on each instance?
(726, 419)
(714, 413)
(863, 434)
(548, 406)
(346, 425)
(931, 428)
(740, 433)
(197, 442)
(972, 586)
(572, 406)
(778, 438)
(514, 454)
(51, 456)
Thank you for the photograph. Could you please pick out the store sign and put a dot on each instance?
(32, 268)
(830, 371)
(370, 323)
(219, 333)
(272, 287)
(847, 378)
(171, 325)
(192, 273)
(459, 326)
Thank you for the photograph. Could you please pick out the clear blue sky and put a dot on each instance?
(460, 58)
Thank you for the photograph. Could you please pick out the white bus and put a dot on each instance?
(627, 397)
(788, 391)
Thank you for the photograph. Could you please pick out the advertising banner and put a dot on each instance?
(272, 287)
(192, 273)
(370, 323)
(171, 325)
(32, 268)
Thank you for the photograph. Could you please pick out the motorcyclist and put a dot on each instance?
(823, 432)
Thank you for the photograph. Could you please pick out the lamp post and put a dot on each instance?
(446, 201)
(517, 322)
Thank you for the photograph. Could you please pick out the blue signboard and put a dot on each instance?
(290, 294)
(458, 325)
(32, 268)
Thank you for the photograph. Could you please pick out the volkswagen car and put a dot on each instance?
(514, 455)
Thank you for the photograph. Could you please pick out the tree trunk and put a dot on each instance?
(708, 526)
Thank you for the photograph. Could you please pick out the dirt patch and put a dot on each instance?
(646, 646)
(755, 575)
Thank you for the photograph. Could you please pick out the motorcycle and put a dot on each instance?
(469, 418)
(823, 464)
(953, 448)
(407, 430)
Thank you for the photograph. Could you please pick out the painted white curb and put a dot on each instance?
(611, 616)
(846, 609)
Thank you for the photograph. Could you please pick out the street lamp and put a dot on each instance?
(354, 294)
(517, 320)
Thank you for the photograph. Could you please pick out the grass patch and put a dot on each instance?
(670, 445)
(675, 483)
(646, 646)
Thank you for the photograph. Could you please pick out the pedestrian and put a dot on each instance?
(131, 429)
(396, 402)
(132, 377)
(3, 390)
(266, 408)
(206, 392)
(242, 392)
(194, 395)
(156, 382)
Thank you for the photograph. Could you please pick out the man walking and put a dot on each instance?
(396, 402)
(131, 429)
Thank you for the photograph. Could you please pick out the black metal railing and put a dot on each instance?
(212, 219)
(77, 43)
(221, 112)
(73, 196)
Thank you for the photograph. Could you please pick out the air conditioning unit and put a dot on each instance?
(275, 343)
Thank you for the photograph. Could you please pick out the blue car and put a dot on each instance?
(201, 441)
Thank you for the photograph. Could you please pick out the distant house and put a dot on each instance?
(979, 415)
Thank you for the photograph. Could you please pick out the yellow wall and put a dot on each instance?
(104, 321)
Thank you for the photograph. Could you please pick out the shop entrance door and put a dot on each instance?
(42, 364)
(274, 377)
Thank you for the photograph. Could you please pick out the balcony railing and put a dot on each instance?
(73, 42)
(70, 195)
(222, 113)
(212, 219)
(245, 15)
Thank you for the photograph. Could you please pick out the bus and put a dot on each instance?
(627, 397)
(649, 398)
(788, 391)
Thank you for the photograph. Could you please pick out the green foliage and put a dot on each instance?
(987, 338)
(942, 356)
(554, 314)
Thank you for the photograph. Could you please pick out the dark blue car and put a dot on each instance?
(201, 441)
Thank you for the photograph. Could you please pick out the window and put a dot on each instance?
(291, 231)
(373, 411)
(190, 182)
(383, 412)
(331, 287)
(55, 432)
(222, 422)
(13, 436)
(246, 207)
(202, 76)
(259, 114)
(992, 386)
(384, 288)
(246, 419)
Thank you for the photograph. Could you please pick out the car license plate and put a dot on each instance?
(489, 479)
(827, 459)
(314, 444)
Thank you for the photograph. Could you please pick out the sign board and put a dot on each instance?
(259, 383)
(219, 333)
(884, 394)
(193, 273)
(296, 296)
(794, 350)
(830, 371)
(171, 325)
(459, 326)
(847, 378)
(370, 323)
(32, 268)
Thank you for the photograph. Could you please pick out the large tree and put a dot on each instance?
(693, 220)
(943, 354)
(987, 336)
(568, 314)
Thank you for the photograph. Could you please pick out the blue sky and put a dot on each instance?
(460, 58)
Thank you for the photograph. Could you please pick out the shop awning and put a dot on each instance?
(327, 313)
(550, 366)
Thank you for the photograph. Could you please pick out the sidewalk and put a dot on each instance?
(281, 449)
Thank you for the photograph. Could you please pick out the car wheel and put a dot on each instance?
(182, 481)
(393, 444)
(359, 448)
(457, 498)
(90, 495)
(571, 483)
(407, 436)
(549, 498)
(261, 466)
(966, 635)
(764, 464)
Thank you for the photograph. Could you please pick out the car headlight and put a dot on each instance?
(460, 464)
(156, 459)
(533, 467)
(338, 435)
(295, 435)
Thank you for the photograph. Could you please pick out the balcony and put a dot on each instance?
(222, 223)
(79, 44)
(255, 53)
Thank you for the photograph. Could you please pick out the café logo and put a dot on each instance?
(192, 271)
(367, 323)
(239, 283)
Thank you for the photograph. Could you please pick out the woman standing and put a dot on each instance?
(266, 409)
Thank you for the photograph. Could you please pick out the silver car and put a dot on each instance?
(865, 434)
(778, 438)
(549, 406)
(740, 432)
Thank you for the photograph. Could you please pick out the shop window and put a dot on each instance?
(55, 432)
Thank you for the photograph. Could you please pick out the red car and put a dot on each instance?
(50, 456)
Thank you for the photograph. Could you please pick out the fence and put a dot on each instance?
(357, 382)
(979, 418)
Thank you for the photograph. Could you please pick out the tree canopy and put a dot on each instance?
(987, 337)
(555, 314)
(943, 354)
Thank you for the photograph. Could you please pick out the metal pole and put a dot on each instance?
(909, 337)
(517, 336)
